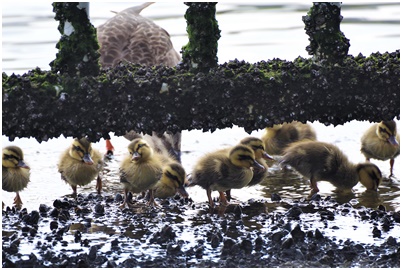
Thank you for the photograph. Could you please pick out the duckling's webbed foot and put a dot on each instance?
(391, 163)
(99, 185)
(74, 188)
(17, 200)
(228, 195)
(222, 199)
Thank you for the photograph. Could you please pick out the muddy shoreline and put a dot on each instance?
(91, 231)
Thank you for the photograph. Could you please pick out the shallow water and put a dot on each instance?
(29, 38)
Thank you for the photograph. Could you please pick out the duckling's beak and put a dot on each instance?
(87, 159)
(393, 141)
(182, 191)
(136, 156)
(258, 166)
(22, 164)
(266, 156)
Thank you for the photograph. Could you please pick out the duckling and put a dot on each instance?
(80, 164)
(223, 171)
(130, 37)
(381, 141)
(260, 156)
(324, 161)
(172, 181)
(278, 137)
(15, 172)
(141, 169)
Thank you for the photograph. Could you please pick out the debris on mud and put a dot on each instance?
(92, 231)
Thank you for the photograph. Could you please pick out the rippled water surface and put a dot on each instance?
(253, 32)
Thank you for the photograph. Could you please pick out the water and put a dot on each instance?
(253, 32)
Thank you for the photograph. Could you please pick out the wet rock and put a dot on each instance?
(32, 218)
(294, 212)
(77, 236)
(391, 241)
(376, 232)
(318, 234)
(277, 237)
(287, 243)
(275, 197)
(315, 197)
(99, 209)
(43, 208)
(54, 225)
(92, 253)
(327, 215)
(297, 233)
(247, 246)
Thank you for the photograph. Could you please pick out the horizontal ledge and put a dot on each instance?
(44, 105)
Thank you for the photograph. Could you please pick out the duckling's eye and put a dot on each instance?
(245, 157)
(9, 157)
(171, 176)
(78, 149)
(383, 130)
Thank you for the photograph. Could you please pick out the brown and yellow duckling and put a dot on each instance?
(222, 170)
(80, 164)
(15, 172)
(381, 141)
(324, 161)
(141, 169)
(278, 137)
(260, 156)
(171, 182)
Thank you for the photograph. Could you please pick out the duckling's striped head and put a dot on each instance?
(81, 149)
(13, 157)
(139, 150)
(258, 147)
(175, 175)
(369, 175)
(386, 130)
(243, 156)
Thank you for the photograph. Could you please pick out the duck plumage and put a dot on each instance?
(15, 172)
(130, 37)
(223, 170)
(80, 164)
(171, 182)
(278, 137)
(382, 142)
(141, 169)
(324, 161)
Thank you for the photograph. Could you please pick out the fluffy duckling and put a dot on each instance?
(323, 161)
(278, 137)
(141, 169)
(222, 170)
(381, 141)
(80, 164)
(171, 182)
(260, 156)
(130, 37)
(15, 172)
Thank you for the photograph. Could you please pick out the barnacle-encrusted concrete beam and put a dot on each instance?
(47, 104)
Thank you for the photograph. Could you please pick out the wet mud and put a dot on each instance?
(92, 231)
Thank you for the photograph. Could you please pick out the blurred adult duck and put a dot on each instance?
(15, 172)
(381, 141)
(130, 37)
